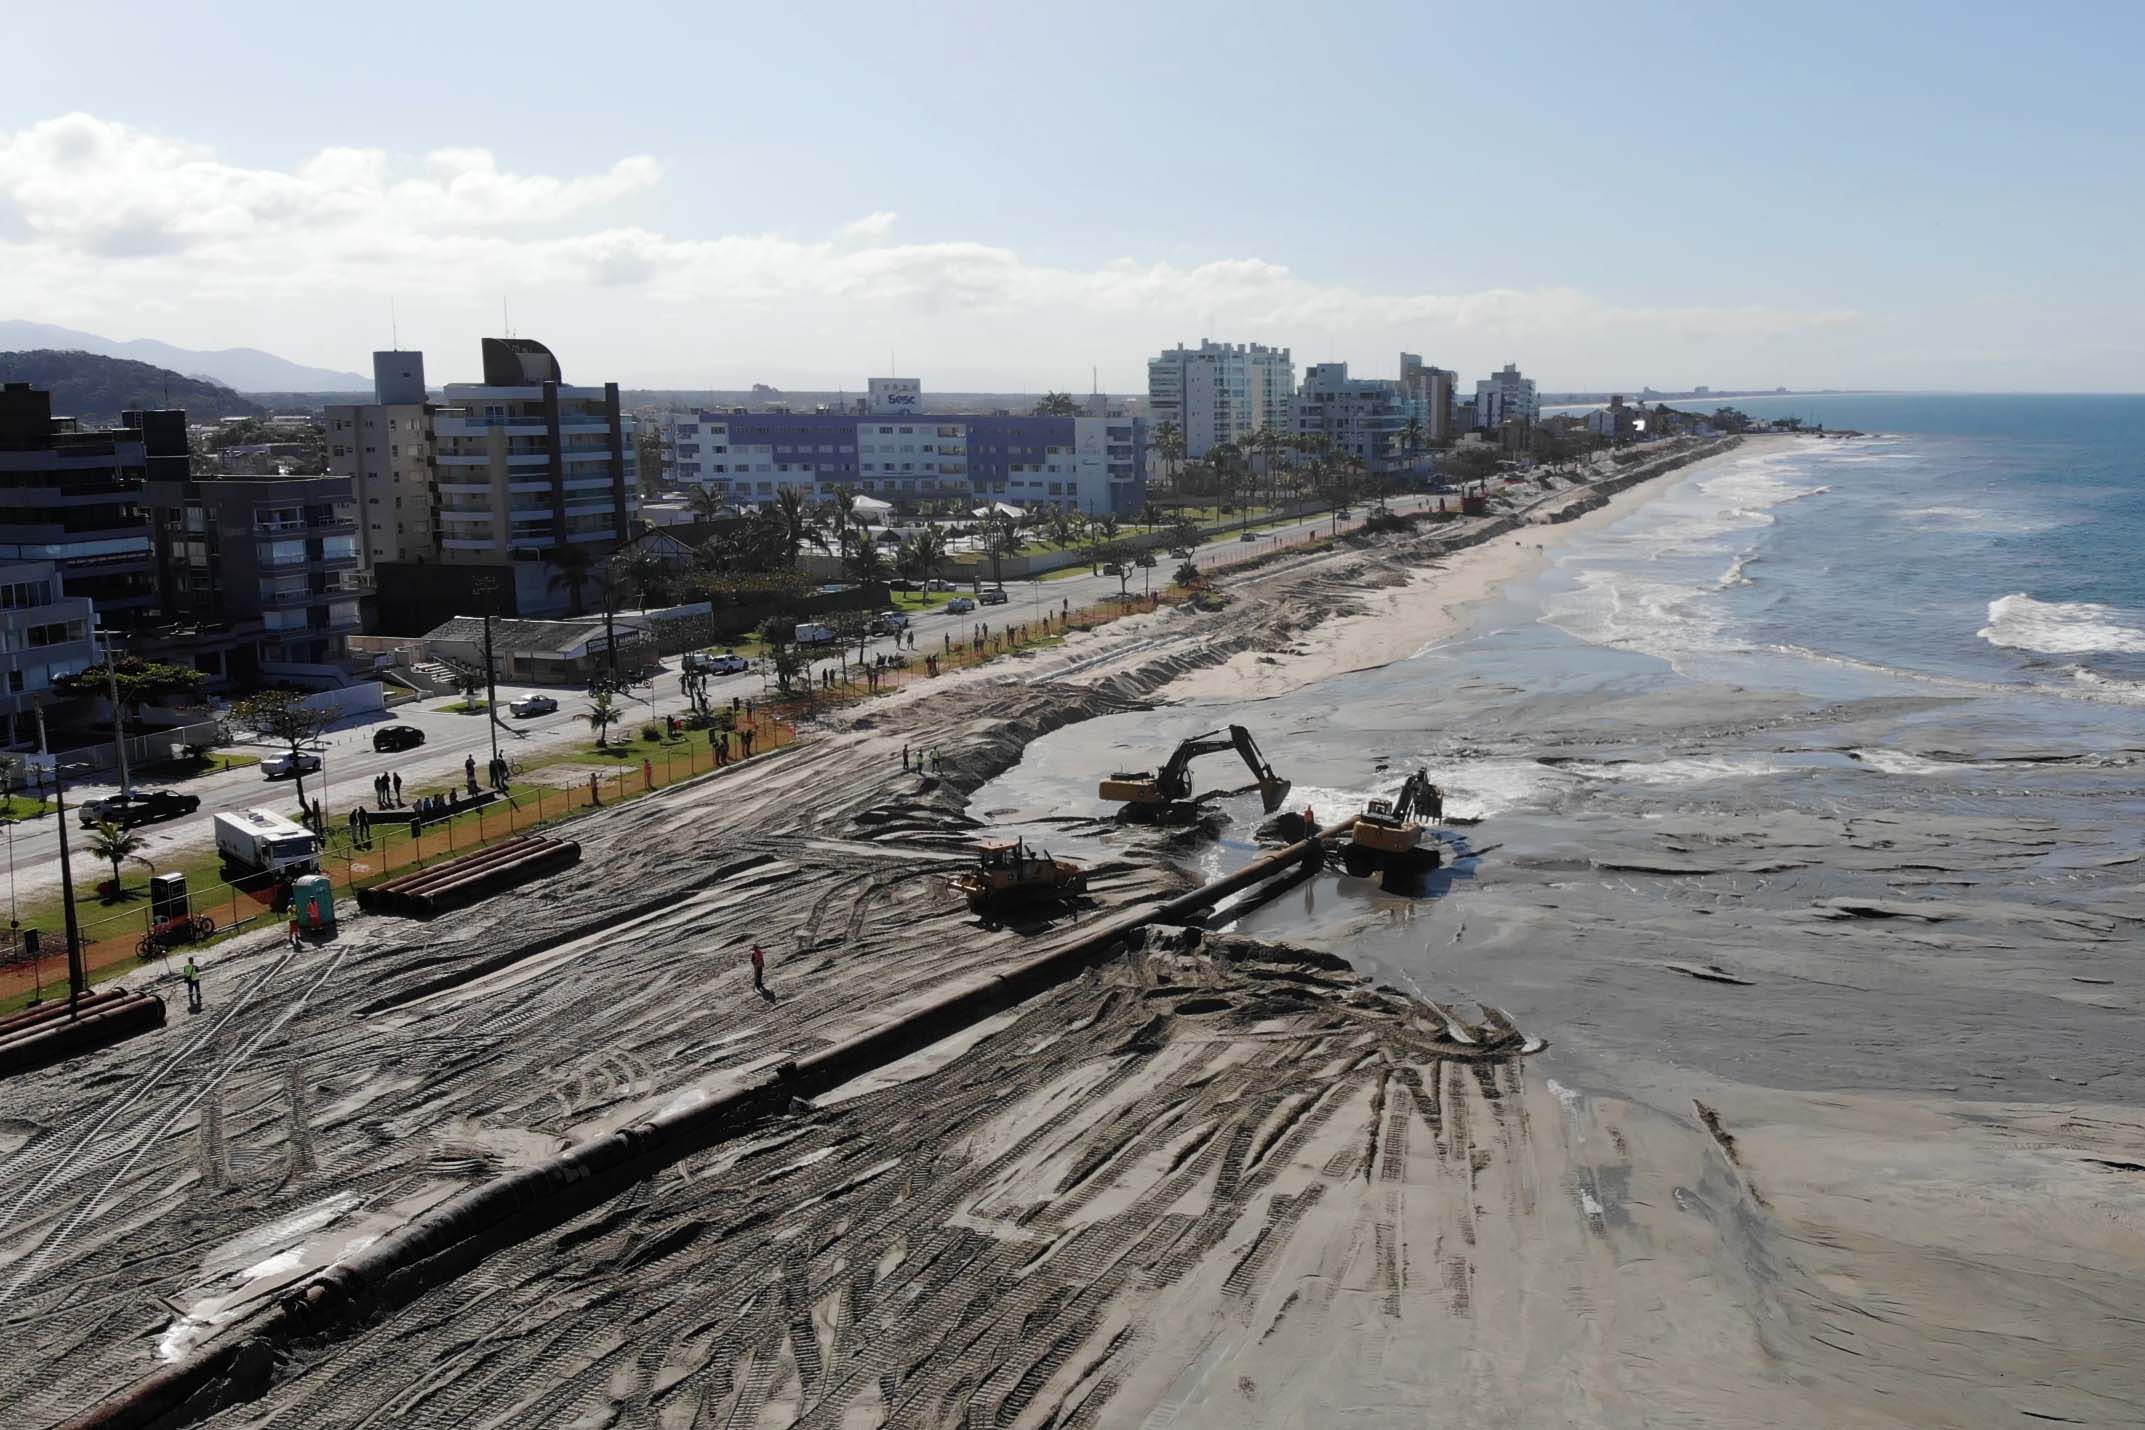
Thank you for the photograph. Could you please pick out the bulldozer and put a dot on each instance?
(1386, 837)
(1165, 795)
(1008, 875)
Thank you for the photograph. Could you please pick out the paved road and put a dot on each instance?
(351, 764)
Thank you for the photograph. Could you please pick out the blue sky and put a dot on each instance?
(1903, 195)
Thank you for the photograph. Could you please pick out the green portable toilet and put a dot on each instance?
(312, 903)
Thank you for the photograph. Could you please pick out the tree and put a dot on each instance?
(1186, 534)
(1001, 538)
(603, 712)
(923, 554)
(851, 626)
(140, 682)
(1057, 404)
(789, 664)
(1187, 575)
(572, 568)
(649, 455)
(861, 560)
(281, 717)
(115, 844)
(794, 523)
(707, 503)
(647, 575)
(469, 684)
(1169, 446)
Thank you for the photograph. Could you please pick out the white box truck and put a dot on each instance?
(814, 633)
(268, 843)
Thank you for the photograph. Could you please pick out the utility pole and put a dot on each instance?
(488, 588)
(77, 976)
(119, 720)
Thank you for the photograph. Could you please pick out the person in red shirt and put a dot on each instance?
(759, 968)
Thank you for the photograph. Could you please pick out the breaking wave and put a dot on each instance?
(2019, 622)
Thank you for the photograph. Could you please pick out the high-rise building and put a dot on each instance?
(1363, 417)
(898, 454)
(526, 464)
(1433, 387)
(1505, 397)
(260, 576)
(1221, 392)
(45, 634)
(73, 496)
(385, 448)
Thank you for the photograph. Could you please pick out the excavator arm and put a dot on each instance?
(1173, 782)
(1272, 788)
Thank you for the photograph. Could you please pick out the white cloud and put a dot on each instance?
(100, 222)
(872, 228)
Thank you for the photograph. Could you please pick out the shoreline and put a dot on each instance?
(1439, 601)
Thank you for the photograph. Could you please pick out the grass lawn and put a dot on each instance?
(23, 807)
(173, 771)
(463, 707)
(926, 600)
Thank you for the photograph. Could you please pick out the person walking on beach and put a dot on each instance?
(759, 968)
(193, 985)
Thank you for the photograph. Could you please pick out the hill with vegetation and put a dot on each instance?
(97, 389)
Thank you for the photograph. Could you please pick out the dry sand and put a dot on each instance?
(1424, 607)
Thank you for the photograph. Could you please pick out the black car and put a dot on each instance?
(995, 596)
(142, 806)
(397, 737)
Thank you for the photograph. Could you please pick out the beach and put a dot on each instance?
(1722, 1077)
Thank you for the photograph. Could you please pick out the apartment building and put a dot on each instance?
(73, 496)
(1362, 417)
(259, 578)
(1433, 387)
(385, 448)
(45, 634)
(1506, 397)
(1221, 392)
(895, 453)
(525, 463)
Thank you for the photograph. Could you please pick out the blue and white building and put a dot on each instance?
(898, 453)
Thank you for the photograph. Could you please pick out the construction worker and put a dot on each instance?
(193, 985)
(759, 968)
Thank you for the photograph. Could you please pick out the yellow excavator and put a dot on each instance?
(1166, 794)
(1009, 875)
(1387, 836)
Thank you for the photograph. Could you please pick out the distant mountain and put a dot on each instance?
(246, 369)
(98, 389)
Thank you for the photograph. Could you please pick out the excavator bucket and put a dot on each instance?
(1272, 791)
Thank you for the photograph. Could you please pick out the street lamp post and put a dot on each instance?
(77, 976)
(119, 723)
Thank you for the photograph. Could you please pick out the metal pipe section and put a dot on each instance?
(96, 1028)
(456, 1235)
(474, 876)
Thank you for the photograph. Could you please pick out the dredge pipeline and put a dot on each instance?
(45, 1034)
(454, 1237)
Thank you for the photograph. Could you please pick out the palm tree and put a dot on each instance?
(647, 574)
(707, 502)
(861, 559)
(603, 712)
(1001, 538)
(1411, 438)
(1057, 404)
(469, 685)
(794, 523)
(114, 843)
(572, 568)
(923, 553)
(1169, 446)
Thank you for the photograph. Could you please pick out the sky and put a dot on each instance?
(1023, 198)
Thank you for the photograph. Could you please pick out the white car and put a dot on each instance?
(533, 705)
(728, 663)
(283, 767)
(937, 584)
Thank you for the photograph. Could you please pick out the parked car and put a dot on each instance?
(142, 806)
(728, 663)
(995, 596)
(283, 767)
(888, 623)
(397, 737)
(938, 584)
(530, 705)
(1111, 568)
(960, 605)
(1181, 553)
(1249, 536)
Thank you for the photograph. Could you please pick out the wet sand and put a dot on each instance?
(1314, 1179)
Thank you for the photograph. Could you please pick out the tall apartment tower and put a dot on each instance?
(385, 448)
(1504, 397)
(1221, 392)
(1433, 387)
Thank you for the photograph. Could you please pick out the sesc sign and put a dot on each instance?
(896, 394)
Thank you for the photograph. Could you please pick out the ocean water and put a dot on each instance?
(1994, 540)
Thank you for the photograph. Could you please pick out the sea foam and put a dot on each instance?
(2019, 622)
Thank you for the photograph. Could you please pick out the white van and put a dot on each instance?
(814, 633)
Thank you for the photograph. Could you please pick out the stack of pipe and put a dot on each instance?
(469, 878)
(45, 1034)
